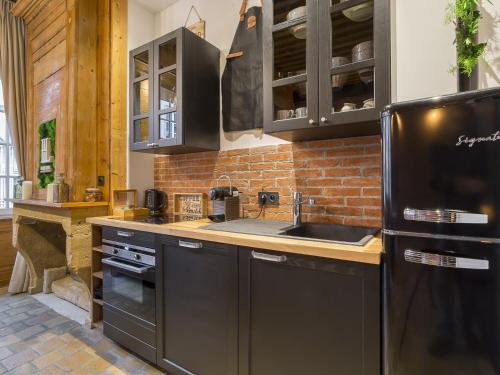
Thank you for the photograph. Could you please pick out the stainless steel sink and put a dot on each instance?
(347, 234)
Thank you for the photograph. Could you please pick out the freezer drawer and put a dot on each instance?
(441, 165)
(441, 307)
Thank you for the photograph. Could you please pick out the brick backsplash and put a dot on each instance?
(342, 175)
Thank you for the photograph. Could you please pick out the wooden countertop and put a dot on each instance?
(370, 253)
(42, 203)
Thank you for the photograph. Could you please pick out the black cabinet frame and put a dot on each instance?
(197, 89)
(321, 123)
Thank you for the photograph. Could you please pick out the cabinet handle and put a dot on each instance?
(447, 261)
(269, 257)
(311, 121)
(152, 145)
(191, 245)
(125, 234)
(324, 120)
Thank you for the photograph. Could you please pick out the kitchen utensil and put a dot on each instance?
(348, 107)
(359, 13)
(362, 51)
(155, 200)
(369, 103)
(285, 114)
(301, 112)
(339, 80)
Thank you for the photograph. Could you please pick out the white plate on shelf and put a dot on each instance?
(359, 13)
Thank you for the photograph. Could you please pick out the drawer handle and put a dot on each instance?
(125, 234)
(191, 245)
(444, 216)
(446, 261)
(269, 257)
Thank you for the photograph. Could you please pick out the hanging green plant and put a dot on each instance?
(47, 130)
(466, 17)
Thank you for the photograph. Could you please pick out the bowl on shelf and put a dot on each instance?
(299, 31)
(359, 13)
(366, 75)
(297, 13)
(362, 51)
(348, 107)
(369, 103)
(339, 80)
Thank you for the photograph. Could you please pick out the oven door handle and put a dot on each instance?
(116, 264)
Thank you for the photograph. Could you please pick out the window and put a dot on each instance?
(8, 164)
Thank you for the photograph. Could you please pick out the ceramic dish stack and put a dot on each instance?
(360, 52)
(339, 80)
(298, 31)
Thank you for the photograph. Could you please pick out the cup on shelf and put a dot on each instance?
(285, 114)
(339, 80)
(369, 103)
(301, 112)
(348, 107)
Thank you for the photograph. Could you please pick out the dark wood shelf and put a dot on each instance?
(97, 249)
(357, 115)
(353, 67)
(339, 7)
(290, 80)
(98, 275)
(98, 301)
(286, 24)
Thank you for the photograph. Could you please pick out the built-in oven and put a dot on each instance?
(129, 296)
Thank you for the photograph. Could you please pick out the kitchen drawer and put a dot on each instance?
(133, 344)
(137, 328)
(132, 237)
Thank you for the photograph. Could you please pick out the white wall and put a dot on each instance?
(489, 67)
(141, 29)
(424, 51)
(222, 17)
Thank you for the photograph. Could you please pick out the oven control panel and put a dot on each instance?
(129, 252)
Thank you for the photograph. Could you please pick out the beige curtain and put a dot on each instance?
(13, 77)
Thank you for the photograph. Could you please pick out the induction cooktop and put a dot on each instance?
(160, 219)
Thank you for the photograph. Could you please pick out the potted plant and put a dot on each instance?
(466, 17)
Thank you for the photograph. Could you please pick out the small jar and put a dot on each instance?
(93, 195)
(18, 188)
(61, 190)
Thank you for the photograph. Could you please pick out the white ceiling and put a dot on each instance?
(155, 6)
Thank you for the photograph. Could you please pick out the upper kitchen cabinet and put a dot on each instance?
(326, 67)
(175, 95)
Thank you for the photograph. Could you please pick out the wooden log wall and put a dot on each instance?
(77, 62)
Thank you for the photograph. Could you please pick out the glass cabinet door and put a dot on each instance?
(290, 64)
(349, 89)
(141, 97)
(167, 90)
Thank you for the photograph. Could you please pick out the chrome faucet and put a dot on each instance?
(297, 207)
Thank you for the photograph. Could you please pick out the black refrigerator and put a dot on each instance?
(441, 232)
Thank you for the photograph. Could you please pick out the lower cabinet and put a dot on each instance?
(303, 315)
(197, 308)
(223, 310)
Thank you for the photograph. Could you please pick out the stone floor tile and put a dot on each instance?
(98, 365)
(8, 340)
(82, 371)
(74, 361)
(19, 359)
(4, 353)
(48, 359)
(50, 345)
(26, 369)
(72, 347)
(52, 370)
(113, 370)
(55, 321)
(30, 332)
(13, 319)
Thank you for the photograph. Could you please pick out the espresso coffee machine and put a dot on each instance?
(155, 201)
(225, 202)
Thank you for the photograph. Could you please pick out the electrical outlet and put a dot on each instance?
(269, 198)
(100, 180)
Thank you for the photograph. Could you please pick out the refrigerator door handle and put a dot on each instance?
(446, 261)
(444, 216)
